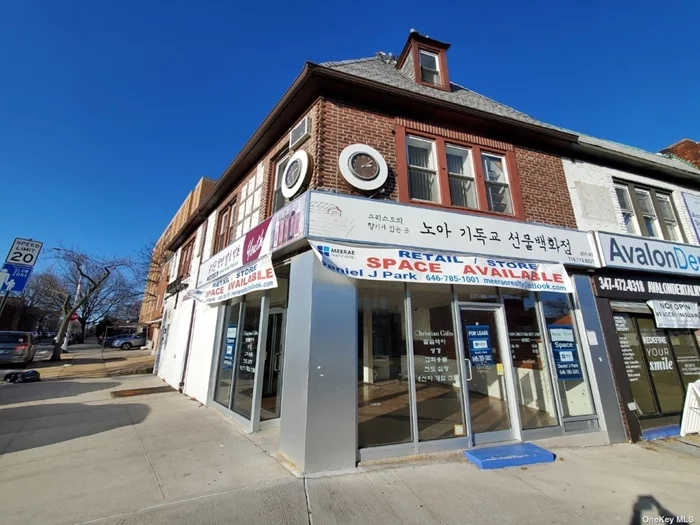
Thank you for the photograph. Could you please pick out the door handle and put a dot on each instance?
(469, 378)
(276, 365)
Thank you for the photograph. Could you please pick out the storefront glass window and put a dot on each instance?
(247, 356)
(530, 363)
(635, 365)
(476, 294)
(222, 390)
(438, 383)
(383, 399)
(574, 390)
(669, 391)
(686, 353)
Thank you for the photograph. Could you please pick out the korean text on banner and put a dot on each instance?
(349, 219)
(259, 275)
(396, 264)
(674, 314)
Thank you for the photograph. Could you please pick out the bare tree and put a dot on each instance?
(92, 273)
(147, 267)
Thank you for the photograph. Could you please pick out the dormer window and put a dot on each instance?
(429, 68)
(424, 60)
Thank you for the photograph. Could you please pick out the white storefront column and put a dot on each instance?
(319, 393)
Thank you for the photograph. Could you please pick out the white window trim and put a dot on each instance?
(472, 177)
(435, 169)
(676, 224)
(660, 233)
(437, 65)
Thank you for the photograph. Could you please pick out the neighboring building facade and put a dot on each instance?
(391, 265)
(653, 360)
(151, 312)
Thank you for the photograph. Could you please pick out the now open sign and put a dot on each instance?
(675, 314)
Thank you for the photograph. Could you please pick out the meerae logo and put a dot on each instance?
(327, 251)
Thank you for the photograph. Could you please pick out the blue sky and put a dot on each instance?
(111, 111)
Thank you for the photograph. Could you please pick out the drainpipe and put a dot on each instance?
(193, 316)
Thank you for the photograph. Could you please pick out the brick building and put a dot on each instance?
(391, 265)
(157, 279)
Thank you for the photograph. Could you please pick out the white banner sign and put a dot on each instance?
(672, 314)
(692, 204)
(345, 218)
(257, 276)
(400, 264)
(643, 253)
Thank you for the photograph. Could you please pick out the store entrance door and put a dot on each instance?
(274, 359)
(490, 394)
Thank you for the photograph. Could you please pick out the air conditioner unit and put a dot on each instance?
(300, 132)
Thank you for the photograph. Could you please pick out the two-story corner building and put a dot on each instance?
(157, 280)
(391, 266)
(647, 216)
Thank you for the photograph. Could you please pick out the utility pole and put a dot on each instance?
(64, 347)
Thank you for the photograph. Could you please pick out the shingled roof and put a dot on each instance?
(384, 72)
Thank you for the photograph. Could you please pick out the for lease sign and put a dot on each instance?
(394, 264)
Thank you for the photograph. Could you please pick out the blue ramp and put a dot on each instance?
(661, 432)
(504, 456)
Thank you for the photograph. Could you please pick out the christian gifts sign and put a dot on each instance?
(395, 264)
(257, 276)
(674, 314)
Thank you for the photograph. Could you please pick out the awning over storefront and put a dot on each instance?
(259, 275)
(401, 264)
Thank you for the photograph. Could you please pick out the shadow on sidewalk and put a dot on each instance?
(45, 425)
(22, 393)
(646, 504)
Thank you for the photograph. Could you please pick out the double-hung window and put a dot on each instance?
(628, 215)
(458, 175)
(429, 67)
(224, 232)
(422, 170)
(185, 259)
(497, 186)
(668, 215)
(647, 212)
(461, 176)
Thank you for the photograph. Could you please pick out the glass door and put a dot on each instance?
(490, 393)
(272, 368)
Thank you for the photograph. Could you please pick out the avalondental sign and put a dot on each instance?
(643, 253)
(259, 275)
(397, 264)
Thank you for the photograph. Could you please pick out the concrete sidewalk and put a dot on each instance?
(70, 453)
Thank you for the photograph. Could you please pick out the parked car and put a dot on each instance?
(17, 347)
(109, 340)
(128, 342)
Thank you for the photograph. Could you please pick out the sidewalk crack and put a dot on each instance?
(148, 458)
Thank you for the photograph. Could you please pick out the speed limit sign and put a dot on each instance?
(24, 252)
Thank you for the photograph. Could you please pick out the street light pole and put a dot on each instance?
(64, 347)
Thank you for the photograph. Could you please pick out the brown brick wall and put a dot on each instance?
(543, 184)
(341, 126)
(686, 149)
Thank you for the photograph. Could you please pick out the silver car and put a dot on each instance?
(17, 347)
(125, 343)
